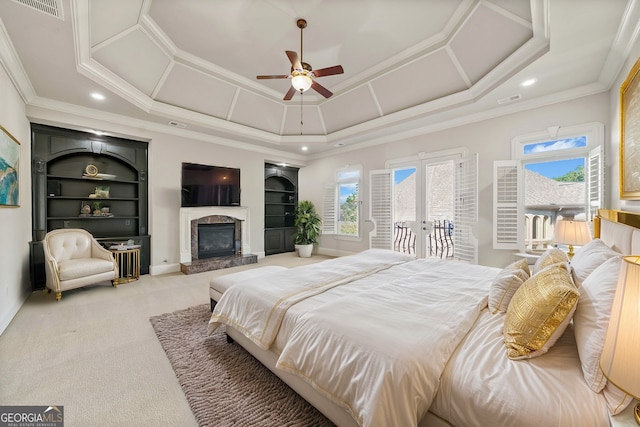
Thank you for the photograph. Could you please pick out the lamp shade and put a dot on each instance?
(301, 82)
(572, 232)
(619, 359)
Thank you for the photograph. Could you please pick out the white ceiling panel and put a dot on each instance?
(520, 8)
(135, 58)
(487, 31)
(339, 112)
(310, 117)
(196, 91)
(426, 79)
(257, 112)
(109, 18)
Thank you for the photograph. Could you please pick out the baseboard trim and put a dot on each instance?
(333, 252)
(7, 317)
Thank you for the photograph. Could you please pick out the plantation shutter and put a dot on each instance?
(329, 209)
(381, 209)
(507, 216)
(594, 182)
(465, 210)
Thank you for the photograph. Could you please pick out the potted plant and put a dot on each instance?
(307, 224)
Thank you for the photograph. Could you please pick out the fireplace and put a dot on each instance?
(236, 221)
(215, 240)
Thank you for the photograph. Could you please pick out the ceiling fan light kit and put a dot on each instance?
(301, 81)
(302, 74)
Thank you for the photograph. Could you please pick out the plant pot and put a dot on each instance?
(304, 251)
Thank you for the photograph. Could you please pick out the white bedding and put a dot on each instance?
(256, 309)
(422, 308)
(482, 387)
(379, 354)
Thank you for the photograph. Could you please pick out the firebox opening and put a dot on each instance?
(216, 240)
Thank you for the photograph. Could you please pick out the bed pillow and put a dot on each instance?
(589, 257)
(539, 312)
(549, 257)
(591, 319)
(505, 284)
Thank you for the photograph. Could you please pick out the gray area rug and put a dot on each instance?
(223, 383)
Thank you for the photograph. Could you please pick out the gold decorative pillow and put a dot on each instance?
(505, 285)
(539, 312)
(549, 257)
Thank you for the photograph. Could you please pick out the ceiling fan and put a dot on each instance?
(302, 75)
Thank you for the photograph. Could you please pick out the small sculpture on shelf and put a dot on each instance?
(102, 192)
(85, 209)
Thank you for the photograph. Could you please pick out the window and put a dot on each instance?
(341, 213)
(553, 174)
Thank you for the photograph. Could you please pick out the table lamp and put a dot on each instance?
(572, 232)
(619, 359)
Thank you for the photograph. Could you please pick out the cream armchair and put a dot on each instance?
(73, 258)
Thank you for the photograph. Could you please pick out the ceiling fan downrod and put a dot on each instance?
(302, 24)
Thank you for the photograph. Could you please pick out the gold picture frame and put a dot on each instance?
(630, 135)
(9, 169)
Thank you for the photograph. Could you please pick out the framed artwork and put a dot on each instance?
(630, 135)
(9, 162)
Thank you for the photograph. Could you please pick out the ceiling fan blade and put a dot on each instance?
(289, 94)
(279, 76)
(321, 89)
(295, 61)
(329, 71)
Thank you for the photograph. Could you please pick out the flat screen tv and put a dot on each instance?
(204, 185)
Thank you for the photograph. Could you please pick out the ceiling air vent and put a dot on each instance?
(50, 7)
(509, 99)
(177, 124)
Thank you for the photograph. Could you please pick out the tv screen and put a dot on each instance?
(204, 185)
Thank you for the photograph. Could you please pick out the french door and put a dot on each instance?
(426, 207)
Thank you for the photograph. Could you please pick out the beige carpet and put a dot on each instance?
(223, 383)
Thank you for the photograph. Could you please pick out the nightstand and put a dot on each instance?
(624, 418)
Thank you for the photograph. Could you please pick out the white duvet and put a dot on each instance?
(380, 354)
(379, 348)
(257, 308)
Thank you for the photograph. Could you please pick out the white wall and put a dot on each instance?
(167, 151)
(491, 139)
(15, 222)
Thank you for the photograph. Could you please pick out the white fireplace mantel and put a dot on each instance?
(187, 215)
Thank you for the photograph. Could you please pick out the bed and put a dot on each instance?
(381, 338)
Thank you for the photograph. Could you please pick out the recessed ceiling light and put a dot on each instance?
(98, 96)
(528, 82)
(305, 148)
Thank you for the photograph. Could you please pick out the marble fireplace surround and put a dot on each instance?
(187, 215)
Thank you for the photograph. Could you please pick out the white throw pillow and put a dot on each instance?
(505, 284)
(591, 319)
(589, 257)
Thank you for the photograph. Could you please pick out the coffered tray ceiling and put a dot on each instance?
(409, 66)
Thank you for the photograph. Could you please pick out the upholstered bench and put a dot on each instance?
(220, 284)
